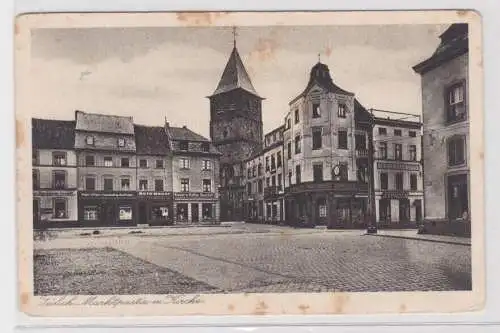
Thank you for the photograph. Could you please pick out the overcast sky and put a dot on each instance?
(153, 73)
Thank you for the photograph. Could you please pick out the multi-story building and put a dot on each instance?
(106, 155)
(273, 188)
(397, 168)
(236, 131)
(54, 173)
(195, 176)
(446, 146)
(326, 158)
(254, 188)
(154, 176)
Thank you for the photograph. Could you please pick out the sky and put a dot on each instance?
(157, 73)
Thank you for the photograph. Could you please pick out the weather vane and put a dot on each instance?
(319, 57)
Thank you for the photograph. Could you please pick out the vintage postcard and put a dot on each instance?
(249, 163)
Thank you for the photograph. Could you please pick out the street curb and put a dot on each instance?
(421, 239)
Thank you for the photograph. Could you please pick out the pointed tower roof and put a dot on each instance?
(235, 76)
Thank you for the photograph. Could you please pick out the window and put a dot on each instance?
(267, 163)
(382, 150)
(273, 181)
(316, 110)
(297, 174)
(289, 148)
(125, 184)
(224, 133)
(273, 162)
(254, 171)
(159, 185)
(159, 213)
(90, 183)
(36, 182)
(90, 213)
(89, 140)
(456, 150)
(343, 171)
(398, 154)
(458, 196)
(182, 212)
(259, 169)
(249, 188)
(125, 213)
(249, 173)
(34, 157)
(317, 138)
(206, 209)
(268, 182)
(125, 162)
(318, 172)
(206, 165)
(413, 182)
(322, 207)
(399, 181)
(60, 209)
(288, 123)
(297, 117)
(297, 144)
(289, 177)
(412, 134)
(59, 180)
(384, 181)
(121, 142)
(455, 103)
(143, 185)
(184, 145)
(108, 184)
(278, 159)
(207, 185)
(184, 163)
(360, 141)
(382, 131)
(205, 147)
(159, 164)
(108, 161)
(341, 111)
(184, 185)
(143, 163)
(89, 160)
(59, 159)
(260, 186)
(413, 152)
(279, 180)
(342, 140)
(397, 132)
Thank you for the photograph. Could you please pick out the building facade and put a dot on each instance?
(326, 161)
(446, 145)
(254, 189)
(236, 131)
(274, 206)
(397, 169)
(54, 173)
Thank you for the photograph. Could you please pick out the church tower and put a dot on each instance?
(236, 131)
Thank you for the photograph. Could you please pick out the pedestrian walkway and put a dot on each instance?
(412, 234)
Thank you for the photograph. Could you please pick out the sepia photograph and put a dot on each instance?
(174, 164)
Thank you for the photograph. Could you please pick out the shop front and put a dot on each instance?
(55, 209)
(195, 207)
(274, 210)
(155, 208)
(107, 209)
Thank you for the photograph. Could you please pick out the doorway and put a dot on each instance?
(418, 210)
(143, 217)
(109, 216)
(195, 214)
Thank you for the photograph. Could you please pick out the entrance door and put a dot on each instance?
(458, 196)
(109, 216)
(36, 211)
(343, 213)
(418, 210)
(143, 217)
(195, 214)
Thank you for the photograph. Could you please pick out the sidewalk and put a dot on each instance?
(412, 234)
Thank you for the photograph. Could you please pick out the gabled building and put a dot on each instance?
(254, 188)
(236, 131)
(446, 145)
(274, 175)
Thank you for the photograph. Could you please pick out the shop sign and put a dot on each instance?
(395, 195)
(53, 193)
(107, 194)
(155, 194)
(194, 195)
(412, 166)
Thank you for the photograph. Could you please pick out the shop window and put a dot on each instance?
(158, 185)
(382, 131)
(159, 164)
(89, 160)
(455, 103)
(297, 145)
(397, 132)
(108, 161)
(398, 151)
(342, 136)
(90, 213)
(36, 180)
(297, 174)
(60, 211)
(89, 140)
(108, 184)
(184, 163)
(399, 181)
(382, 150)
(318, 172)
(125, 184)
(384, 181)
(184, 145)
(182, 212)
(59, 159)
(207, 210)
(413, 152)
(184, 185)
(206, 165)
(316, 138)
(205, 147)
(159, 213)
(342, 110)
(456, 150)
(143, 184)
(59, 180)
(143, 163)
(316, 110)
(121, 142)
(90, 183)
(125, 213)
(125, 162)
(413, 182)
(289, 150)
(207, 185)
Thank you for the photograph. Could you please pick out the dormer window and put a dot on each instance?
(89, 140)
(121, 142)
(184, 145)
(316, 111)
(205, 147)
(342, 110)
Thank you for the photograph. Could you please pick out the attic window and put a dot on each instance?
(316, 110)
(184, 145)
(205, 147)
(121, 142)
(89, 140)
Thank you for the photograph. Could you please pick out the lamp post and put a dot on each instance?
(372, 218)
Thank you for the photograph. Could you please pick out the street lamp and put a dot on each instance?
(372, 219)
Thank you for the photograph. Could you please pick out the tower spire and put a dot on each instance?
(319, 57)
(234, 36)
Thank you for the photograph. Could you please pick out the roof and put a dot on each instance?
(454, 43)
(93, 122)
(185, 134)
(361, 115)
(52, 134)
(235, 76)
(151, 140)
(320, 75)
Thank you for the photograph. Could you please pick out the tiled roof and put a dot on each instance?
(52, 134)
(184, 133)
(104, 123)
(361, 115)
(235, 76)
(151, 140)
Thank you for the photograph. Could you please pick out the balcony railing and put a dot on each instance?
(361, 152)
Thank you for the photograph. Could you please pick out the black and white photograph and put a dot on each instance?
(215, 157)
